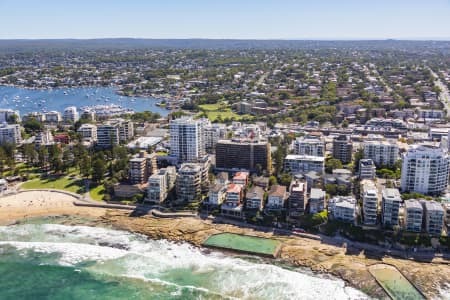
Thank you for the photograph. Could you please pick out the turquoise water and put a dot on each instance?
(245, 243)
(55, 261)
(397, 286)
(28, 100)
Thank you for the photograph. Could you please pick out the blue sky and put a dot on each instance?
(241, 19)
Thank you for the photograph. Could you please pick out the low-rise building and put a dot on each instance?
(297, 200)
(342, 208)
(7, 115)
(88, 132)
(367, 169)
(277, 197)
(10, 133)
(413, 215)
(254, 198)
(53, 116)
(302, 164)
(433, 217)
(312, 145)
(43, 138)
(216, 194)
(316, 201)
(232, 206)
(391, 201)
(241, 178)
(383, 153)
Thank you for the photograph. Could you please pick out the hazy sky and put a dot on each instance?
(241, 19)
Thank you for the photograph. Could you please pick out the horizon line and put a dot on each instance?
(236, 39)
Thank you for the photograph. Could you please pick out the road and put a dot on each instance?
(444, 96)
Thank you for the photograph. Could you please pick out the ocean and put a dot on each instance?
(55, 261)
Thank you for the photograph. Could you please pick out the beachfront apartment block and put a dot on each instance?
(297, 199)
(302, 164)
(316, 200)
(189, 181)
(243, 154)
(157, 188)
(370, 202)
(383, 153)
(141, 167)
(71, 114)
(433, 217)
(10, 133)
(343, 208)
(391, 201)
(312, 145)
(413, 215)
(187, 139)
(425, 170)
(342, 148)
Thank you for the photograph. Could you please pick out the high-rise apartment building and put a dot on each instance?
(425, 170)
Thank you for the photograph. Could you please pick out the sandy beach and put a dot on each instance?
(41, 203)
(431, 278)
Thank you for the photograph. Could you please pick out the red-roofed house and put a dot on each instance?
(62, 138)
(241, 178)
(232, 206)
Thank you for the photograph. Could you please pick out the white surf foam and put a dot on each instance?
(121, 253)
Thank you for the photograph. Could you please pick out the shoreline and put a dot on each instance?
(343, 263)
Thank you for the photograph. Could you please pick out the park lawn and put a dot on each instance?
(209, 107)
(21, 168)
(97, 192)
(58, 183)
(227, 114)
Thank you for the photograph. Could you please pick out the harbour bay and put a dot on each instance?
(40, 100)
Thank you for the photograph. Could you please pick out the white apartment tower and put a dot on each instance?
(383, 153)
(425, 170)
(310, 145)
(71, 114)
(186, 139)
(10, 133)
(370, 202)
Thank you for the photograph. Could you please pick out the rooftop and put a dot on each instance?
(433, 206)
(277, 191)
(234, 188)
(305, 157)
